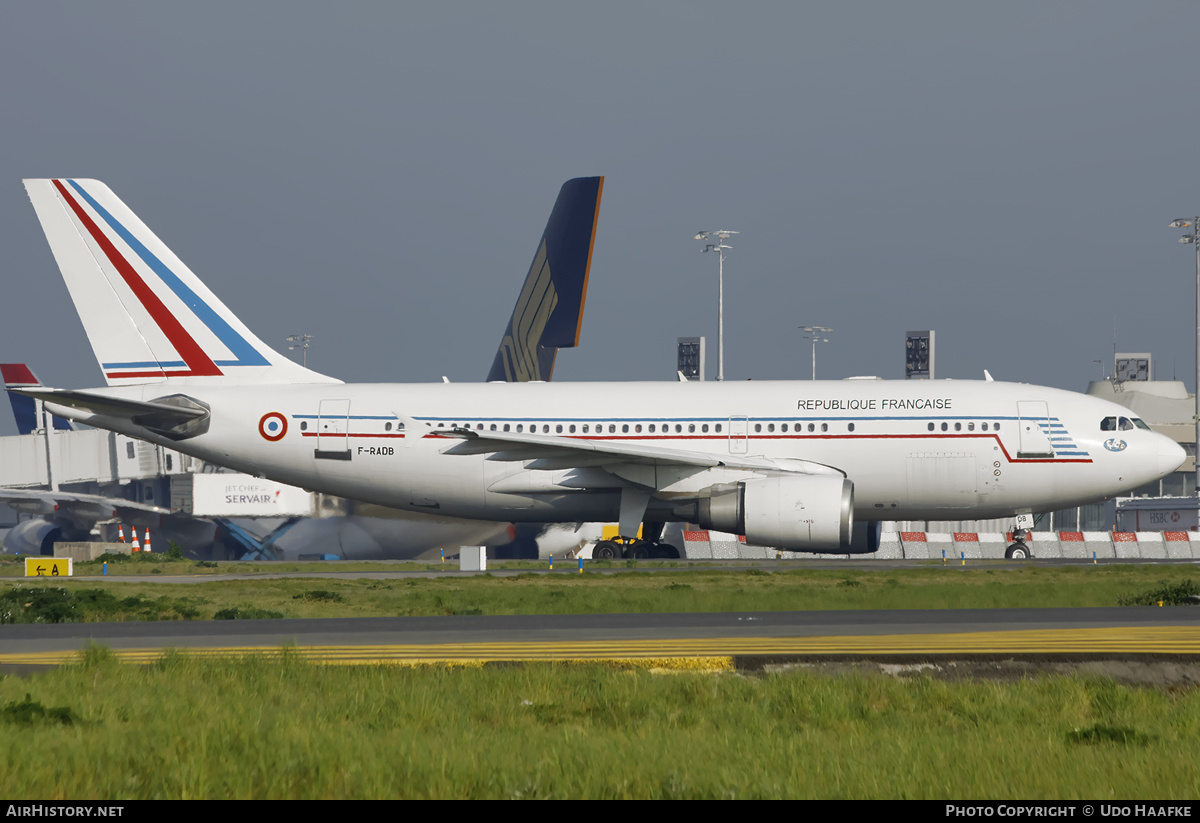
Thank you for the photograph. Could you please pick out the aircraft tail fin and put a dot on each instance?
(25, 409)
(549, 311)
(148, 317)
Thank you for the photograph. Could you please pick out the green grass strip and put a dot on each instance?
(668, 590)
(278, 728)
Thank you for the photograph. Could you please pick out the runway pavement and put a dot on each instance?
(1078, 633)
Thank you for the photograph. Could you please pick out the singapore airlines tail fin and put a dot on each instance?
(25, 409)
(148, 317)
(549, 311)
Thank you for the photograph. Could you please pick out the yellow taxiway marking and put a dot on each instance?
(718, 651)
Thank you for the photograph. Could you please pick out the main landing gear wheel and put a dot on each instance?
(665, 551)
(1018, 551)
(606, 550)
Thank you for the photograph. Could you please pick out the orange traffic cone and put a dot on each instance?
(146, 548)
(137, 547)
(120, 533)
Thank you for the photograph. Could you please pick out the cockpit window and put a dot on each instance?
(1108, 424)
(1140, 423)
(1125, 425)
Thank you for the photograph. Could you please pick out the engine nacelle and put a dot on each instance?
(803, 513)
(36, 537)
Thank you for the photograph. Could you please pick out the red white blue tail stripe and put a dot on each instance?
(149, 318)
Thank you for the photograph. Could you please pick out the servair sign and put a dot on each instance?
(240, 495)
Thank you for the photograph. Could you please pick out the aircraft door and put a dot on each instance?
(1033, 428)
(739, 435)
(333, 430)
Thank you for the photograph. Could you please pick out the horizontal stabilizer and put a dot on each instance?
(25, 410)
(176, 416)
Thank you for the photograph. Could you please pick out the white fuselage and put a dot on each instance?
(913, 449)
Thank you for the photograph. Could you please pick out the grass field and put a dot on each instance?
(567, 592)
(185, 728)
(284, 728)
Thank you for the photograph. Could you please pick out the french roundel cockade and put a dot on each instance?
(272, 426)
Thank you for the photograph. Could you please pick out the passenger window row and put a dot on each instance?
(970, 426)
(692, 428)
(1108, 424)
(587, 428)
(798, 427)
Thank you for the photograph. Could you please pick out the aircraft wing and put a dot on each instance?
(555, 452)
(71, 516)
(75, 505)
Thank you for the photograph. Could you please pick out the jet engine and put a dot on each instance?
(805, 513)
(38, 536)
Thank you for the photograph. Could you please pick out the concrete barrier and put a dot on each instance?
(83, 551)
(1125, 545)
(748, 552)
(966, 544)
(889, 547)
(992, 545)
(1150, 545)
(914, 545)
(1072, 545)
(1049, 545)
(1194, 544)
(1099, 544)
(724, 546)
(696, 545)
(939, 542)
(1177, 545)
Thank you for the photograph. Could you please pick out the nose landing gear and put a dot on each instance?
(1018, 549)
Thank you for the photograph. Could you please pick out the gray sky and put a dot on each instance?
(377, 175)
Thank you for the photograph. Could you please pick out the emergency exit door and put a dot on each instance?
(1033, 429)
(739, 435)
(333, 430)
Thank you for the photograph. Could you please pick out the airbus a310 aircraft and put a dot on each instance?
(786, 464)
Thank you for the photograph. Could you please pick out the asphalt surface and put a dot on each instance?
(1039, 633)
(1129, 630)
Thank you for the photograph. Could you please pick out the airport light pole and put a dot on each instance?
(719, 247)
(300, 341)
(814, 334)
(1193, 223)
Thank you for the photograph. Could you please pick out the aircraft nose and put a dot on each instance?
(1170, 455)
